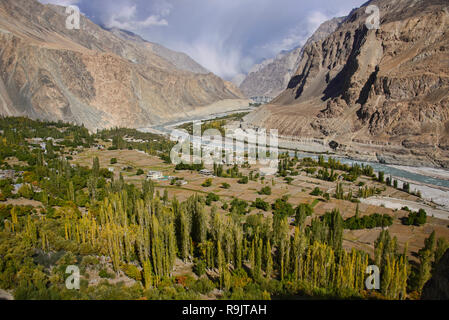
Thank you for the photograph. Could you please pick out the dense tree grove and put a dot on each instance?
(415, 218)
(134, 228)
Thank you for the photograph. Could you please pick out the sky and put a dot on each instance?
(225, 36)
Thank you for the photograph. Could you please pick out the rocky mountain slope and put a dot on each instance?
(272, 76)
(375, 94)
(179, 59)
(94, 76)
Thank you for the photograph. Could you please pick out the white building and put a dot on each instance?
(206, 172)
(154, 175)
(7, 174)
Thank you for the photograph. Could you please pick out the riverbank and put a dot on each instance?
(218, 109)
(437, 195)
(425, 171)
(397, 204)
(432, 183)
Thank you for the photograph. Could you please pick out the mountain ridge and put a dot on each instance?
(271, 76)
(375, 94)
(91, 76)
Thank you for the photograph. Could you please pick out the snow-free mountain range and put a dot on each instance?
(381, 95)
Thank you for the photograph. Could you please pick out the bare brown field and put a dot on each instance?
(12, 161)
(22, 202)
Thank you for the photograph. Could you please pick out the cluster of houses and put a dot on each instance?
(7, 174)
(40, 142)
(99, 146)
(128, 139)
(154, 175)
(13, 175)
(10, 174)
(206, 172)
(158, 176)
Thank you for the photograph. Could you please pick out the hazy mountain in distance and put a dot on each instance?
(378, 94)
(272, 76)
(93, 76)
(238, 79)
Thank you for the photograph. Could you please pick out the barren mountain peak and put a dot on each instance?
(374, 87)
(98, 77)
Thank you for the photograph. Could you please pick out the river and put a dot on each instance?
(432, 188)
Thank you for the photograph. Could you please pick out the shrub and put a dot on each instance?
(282, 207)
(211, 197)
(265, 191)
(203, 286)
(199, 267)
(368, 222)
(416, 218)
(260, 204)
(303, 211)
(207, 183)
(316, 192)
(239, 206)
(243, 180)
(133, 272)
(105, 274)
(225, 185)
(113, 160)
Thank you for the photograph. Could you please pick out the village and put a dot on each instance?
(184, 183)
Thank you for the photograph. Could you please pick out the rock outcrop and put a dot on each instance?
(381, 93)
(271, 77)
(93, 76)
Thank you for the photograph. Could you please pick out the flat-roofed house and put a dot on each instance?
(206, 172)
(7, 174)
(154, 175)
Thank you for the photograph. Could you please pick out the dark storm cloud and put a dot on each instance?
(225, 36)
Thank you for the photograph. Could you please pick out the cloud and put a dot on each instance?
(60, 2)
(127, 19)
(299, 34)
(215, 56)
(225, 36)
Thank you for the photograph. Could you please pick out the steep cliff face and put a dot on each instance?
(94, 76)
(272, 76)
(386, 87)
